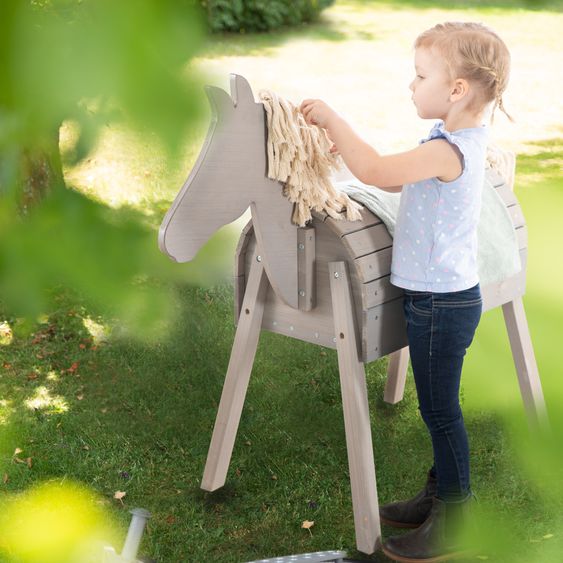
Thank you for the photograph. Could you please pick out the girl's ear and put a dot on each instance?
(459, 90)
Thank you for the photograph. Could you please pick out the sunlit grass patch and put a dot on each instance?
(5, 333)
(5, 410)
(43, 400)
(99, 332)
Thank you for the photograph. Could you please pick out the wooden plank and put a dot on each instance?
(240, 261)
(525, 362)
(379, 291)
(277, 240)
(240, 252)
(343, 227)
(306, 268)
(517, 216)
(500, 293)
(356, 413)
(507, 195)
(396, 376)
(522, 236)
(239, 286)
(384, 330)
(375, 265)
(366, 241)
(236, 380)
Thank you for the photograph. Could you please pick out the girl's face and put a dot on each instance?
(432, 85)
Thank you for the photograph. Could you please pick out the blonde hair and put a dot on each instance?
(474, 52)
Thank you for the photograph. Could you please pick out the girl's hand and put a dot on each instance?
(317, 112)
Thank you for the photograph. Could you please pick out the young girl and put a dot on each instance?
(461, 69)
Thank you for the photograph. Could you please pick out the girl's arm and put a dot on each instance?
(436, 158)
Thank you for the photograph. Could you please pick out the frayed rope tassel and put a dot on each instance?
(299, 156)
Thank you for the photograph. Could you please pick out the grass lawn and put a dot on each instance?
(85, 404)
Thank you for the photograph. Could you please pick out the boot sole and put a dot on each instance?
(398, 524)
(435, 559)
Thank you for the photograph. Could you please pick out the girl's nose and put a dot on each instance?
(411, 86)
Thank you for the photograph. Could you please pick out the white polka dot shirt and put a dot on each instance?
(435, 239)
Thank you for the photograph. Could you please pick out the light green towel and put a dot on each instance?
(498, 256)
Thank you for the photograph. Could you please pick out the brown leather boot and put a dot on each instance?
(437, 539)
(413, 512)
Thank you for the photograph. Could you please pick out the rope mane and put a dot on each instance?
(299, 156)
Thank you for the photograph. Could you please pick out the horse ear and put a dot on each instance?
(241, 92)
(221, 102)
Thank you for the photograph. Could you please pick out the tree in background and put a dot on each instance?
(92, 62)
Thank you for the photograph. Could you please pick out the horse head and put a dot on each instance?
(230, 175)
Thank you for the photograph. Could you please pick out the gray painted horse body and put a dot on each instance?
(222, 185)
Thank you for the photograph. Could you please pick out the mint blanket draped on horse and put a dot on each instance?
(498, 256)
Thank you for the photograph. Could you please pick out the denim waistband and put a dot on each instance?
(471, 292)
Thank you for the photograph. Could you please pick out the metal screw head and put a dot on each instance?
(301, 246)
(259, 258)
(302, 292)
(335, 274)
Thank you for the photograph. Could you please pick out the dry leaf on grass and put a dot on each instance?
(27, 461)
(119, 495)
(307, 524)
(18, 459)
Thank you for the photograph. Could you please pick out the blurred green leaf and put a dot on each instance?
(92, 62)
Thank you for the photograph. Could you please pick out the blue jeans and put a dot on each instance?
(440, 328)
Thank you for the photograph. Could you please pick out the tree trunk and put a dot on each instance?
(40, 172)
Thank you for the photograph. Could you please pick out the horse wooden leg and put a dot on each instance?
(236, 380)
(396, 376)
(356, 412)
(525, 362)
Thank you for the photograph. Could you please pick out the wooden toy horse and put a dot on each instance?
(326, 283)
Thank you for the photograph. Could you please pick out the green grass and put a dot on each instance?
(117, 414)
(139, 418)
